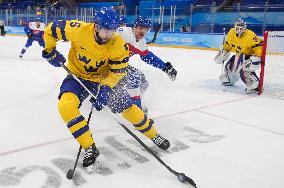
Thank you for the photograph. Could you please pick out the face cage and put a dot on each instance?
(240, 29)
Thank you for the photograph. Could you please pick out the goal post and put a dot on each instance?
(263, 57)
(272, 68)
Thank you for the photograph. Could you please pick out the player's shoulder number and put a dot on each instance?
(255, 39)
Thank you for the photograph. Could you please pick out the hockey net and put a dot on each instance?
(272, 68)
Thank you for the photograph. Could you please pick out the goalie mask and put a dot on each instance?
(240, 27)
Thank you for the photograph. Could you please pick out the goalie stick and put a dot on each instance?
(181, 176)
(157, 31)
(222, 71)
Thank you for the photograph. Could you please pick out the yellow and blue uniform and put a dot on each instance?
(95, 64)
(249, 44)
(246, 46)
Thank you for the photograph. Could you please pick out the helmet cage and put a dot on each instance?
(240, 27)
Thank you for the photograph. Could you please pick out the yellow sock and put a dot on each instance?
(140, 121)
(68, 106)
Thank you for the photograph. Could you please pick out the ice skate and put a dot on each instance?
(90, 161)
(161, 142)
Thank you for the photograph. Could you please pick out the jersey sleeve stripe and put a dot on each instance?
(53, 29)
(125, 60)
(62, 25)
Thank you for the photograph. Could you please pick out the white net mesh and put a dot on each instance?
(274, 67)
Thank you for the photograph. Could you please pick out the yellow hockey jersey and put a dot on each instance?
(87, 59)
(248, 44)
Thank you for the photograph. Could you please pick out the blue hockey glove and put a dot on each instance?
(30, 35)
(55, 58)
(170, 70)
(102, 97)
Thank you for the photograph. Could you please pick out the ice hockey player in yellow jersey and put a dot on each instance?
(247, 59)
(99, 57)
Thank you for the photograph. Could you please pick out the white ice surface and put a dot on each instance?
(234, 140)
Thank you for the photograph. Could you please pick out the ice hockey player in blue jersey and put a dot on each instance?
(135, 37)
(34, 32)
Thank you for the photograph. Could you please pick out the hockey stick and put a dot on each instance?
(181, 176)
(223, 62)
(155, 34)
(55, 3)
(71, 172)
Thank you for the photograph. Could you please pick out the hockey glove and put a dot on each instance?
(170, 70)
(222, 56)
(30, 35)
(55, 58)
(102, 97)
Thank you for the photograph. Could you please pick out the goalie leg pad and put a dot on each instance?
(229, 78)
(250, 79)
(252, 63)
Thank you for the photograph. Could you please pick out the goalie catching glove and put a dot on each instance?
(222, 56)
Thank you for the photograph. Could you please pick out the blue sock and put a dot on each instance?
(137, 100)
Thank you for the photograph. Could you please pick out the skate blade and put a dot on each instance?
(94, 167)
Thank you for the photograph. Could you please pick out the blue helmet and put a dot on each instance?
(107, 18)
(143, 22)
(38, 20)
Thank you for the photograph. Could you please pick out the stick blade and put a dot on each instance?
(70, 174)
